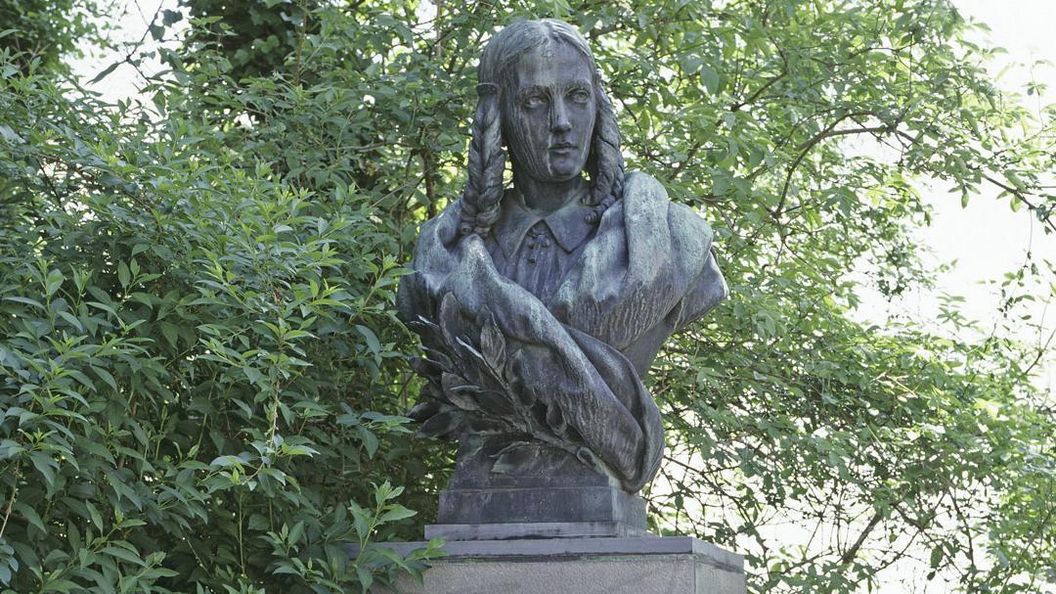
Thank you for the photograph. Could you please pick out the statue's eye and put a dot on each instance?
(580, 96)
(534, 101)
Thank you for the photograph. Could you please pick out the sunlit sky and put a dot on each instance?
(987, 239)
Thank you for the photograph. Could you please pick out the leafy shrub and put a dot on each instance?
(196, 362)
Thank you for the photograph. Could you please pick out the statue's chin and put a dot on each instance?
(562, 170)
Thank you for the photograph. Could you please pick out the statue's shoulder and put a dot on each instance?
(641, 184)
(451, 212)
(441, 229)
(642, 191)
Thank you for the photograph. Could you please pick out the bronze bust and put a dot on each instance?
(541, 306)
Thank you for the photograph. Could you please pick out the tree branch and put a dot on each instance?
(1047, 220)
(850, 554)
(805, 149)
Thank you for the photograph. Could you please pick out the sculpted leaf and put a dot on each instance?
(522, 392)
(422, 325)
(423, 366)
(514, 458)
(496, 403)
(486, 426)
(458, 392)
(437, 358)
(442, 424)
(424, 410)
(451, 381)
(493, 345)
(471, 351)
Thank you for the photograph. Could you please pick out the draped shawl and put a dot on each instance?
(568, 373)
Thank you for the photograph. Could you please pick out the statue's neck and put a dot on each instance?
(548, 196)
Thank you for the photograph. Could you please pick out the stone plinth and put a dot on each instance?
(553, 495)
(641, 565)
(498, 514)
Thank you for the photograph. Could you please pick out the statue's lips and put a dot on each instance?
(563, 147)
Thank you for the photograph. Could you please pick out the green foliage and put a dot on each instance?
(39, 33)
(196, 362)
(198, 355)
(256, 36)
(781, 409)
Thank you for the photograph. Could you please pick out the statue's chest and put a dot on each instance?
(539, 264)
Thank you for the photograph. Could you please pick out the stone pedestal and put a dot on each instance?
(498, 514)
(553, 494)
(555, 524)
(641, 565)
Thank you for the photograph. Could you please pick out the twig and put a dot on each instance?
(11, 501)
(1022, 198)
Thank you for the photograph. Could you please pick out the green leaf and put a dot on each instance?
(53, 282)
(296, 533)
(360, 520)
(396, 513)
(106, 377)
(73, 321)
(104, 73)
(169, 17)
(710, 78)
(27, 301)
(45, 465)
(124, 554)
(366, 579)
(369, 439)
(372, 340)
(30, 515)
(94, 514)
(171, 334)
(937, 555)
(123, 275)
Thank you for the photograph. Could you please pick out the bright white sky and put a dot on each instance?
(987, 239)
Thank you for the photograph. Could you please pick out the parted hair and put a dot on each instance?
(487, 159)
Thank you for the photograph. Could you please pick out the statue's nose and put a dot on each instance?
(559, 118)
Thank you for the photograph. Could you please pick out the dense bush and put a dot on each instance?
(197, 361)
(201, 376)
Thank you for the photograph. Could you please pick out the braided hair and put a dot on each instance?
(487, 162)
(487, 159)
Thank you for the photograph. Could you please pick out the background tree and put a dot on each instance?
(42, 32)
(200, 370)
(259, 38)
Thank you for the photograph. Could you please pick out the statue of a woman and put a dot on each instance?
(541, 306)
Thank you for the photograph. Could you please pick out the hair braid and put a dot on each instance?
(608, 171)
(487, 162)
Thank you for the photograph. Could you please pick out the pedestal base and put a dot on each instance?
(645, 565)
(503, 513)
(555, 494)
(512, 530)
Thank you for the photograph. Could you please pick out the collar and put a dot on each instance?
(568, 224)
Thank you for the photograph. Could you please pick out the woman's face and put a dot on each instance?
(548, 112)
